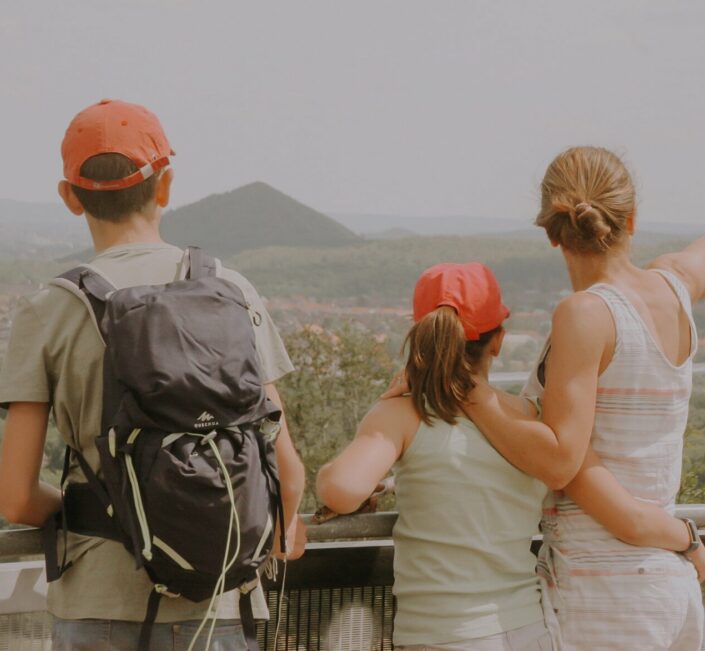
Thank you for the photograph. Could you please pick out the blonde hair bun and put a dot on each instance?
(587, 198)
(591, 222)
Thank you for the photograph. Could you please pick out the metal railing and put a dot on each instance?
(337, 597)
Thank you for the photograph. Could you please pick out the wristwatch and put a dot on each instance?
(694, 536)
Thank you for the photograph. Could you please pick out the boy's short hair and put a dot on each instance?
(113, 205)
(112, 153)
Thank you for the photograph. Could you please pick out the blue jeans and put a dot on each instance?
(113, 635)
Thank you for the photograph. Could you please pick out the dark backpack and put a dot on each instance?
(189, 481)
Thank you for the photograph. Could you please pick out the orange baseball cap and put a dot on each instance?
(115, 127)
(471, 289)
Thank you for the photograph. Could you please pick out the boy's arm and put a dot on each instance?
(688, 265)
(24, 499)
(275, 364)
(292, 479)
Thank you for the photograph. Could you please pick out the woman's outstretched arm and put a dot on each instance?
(688, 265)
(598, 493)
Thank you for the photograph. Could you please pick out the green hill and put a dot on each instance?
(385, 271)
(252, 217)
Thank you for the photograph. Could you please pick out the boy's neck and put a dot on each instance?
(135, 229)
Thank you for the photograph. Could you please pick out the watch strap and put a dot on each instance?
(694, 536)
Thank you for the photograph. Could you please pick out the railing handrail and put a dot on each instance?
(365, 526)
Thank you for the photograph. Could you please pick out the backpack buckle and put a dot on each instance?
(249, 586)
(270, 429)
(164, 590)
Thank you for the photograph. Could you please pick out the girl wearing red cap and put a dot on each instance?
(464, 573)
(614, 383)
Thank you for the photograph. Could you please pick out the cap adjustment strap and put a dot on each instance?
(140, 175)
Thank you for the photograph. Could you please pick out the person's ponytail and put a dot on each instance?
(438, 368)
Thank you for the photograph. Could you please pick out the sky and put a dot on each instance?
(398, 107)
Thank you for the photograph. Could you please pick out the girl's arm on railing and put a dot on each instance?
(348, 480)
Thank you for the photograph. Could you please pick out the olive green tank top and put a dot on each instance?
(462, 563)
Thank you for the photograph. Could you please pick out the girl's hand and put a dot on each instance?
(324, 514)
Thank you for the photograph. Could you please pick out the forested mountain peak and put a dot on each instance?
(253, 216)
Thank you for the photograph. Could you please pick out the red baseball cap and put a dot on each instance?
(115, 127)
(471, 289)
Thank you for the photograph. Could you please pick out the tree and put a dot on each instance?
(339, 375)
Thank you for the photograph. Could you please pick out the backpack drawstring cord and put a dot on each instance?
(234, 519)
(137, 497)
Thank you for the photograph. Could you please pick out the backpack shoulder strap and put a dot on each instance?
(200, 264)
(91, 287)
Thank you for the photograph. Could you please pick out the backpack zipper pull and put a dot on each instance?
(254, 315)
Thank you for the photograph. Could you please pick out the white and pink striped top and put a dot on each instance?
(640, 418)
(600, 593)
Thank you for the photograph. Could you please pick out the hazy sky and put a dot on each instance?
(371, 106)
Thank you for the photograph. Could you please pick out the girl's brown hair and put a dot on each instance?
(440, 364)
(587, 195)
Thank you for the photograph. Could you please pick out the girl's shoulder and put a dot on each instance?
(396, 413)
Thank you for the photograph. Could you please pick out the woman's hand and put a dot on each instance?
(697, 558)
(399, 386)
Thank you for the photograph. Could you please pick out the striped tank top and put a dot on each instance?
(598, 592)
(640, 418)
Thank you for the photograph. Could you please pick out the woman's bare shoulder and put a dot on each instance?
(582, 314)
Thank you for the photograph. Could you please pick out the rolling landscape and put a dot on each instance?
(339, 290)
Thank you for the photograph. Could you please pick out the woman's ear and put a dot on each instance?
(496, 343)
(631, 223)
(69, 198)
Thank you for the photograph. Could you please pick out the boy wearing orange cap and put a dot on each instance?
(116, 168)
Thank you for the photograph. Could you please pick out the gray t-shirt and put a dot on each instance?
(55, 355)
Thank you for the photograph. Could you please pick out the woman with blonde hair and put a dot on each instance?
(618, 377)
(465, 579)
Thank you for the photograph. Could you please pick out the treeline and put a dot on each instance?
(385, 271)
(340, 374)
